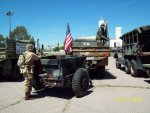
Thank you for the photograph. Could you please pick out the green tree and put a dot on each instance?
(2, 40)
(61, 47)
(56, 48)
(20, 33)
(1, 37)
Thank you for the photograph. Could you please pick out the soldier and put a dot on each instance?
(101, 36)
(28, 70)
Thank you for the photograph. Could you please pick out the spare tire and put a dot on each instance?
(80, 82)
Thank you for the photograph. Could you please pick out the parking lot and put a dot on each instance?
(117, 92)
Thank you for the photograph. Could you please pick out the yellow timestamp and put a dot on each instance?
(129, 99)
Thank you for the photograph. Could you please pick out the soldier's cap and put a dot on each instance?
(29, 47)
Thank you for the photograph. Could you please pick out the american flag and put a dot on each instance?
(68, 41)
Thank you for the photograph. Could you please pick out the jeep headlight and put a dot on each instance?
(56, 73)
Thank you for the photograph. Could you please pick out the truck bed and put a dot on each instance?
(93, 52)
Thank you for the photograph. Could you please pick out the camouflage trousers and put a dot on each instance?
(28, 82)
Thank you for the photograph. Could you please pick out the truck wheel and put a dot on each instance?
(16, 73)
(80, 82)
(127, 66)
(118, 65)
(115, 55)
(134, 71)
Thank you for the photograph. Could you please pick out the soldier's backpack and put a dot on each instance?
(21, 60)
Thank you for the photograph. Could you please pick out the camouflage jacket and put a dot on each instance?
(30, 57)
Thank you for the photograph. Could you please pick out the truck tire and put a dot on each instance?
(127, 66)
(134, 71)
(16, 73)
(118, 65)
(80, 82)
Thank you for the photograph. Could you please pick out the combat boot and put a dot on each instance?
(28, 97)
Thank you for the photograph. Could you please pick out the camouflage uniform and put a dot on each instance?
(27, 70)
(101, 36)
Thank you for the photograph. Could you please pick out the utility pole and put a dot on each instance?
(9, 14)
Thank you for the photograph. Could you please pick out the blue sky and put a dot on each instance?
(47, 19)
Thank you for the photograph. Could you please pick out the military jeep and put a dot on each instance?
(66, 71)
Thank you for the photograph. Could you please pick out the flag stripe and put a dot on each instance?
(68, 41)
(68, 38)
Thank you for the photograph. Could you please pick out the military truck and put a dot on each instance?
(96, 56)
(9, 52)
(135, 52)
(96, 49)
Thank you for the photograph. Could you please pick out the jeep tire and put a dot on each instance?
(80, 82)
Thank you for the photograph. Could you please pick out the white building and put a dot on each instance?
(116, 42)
